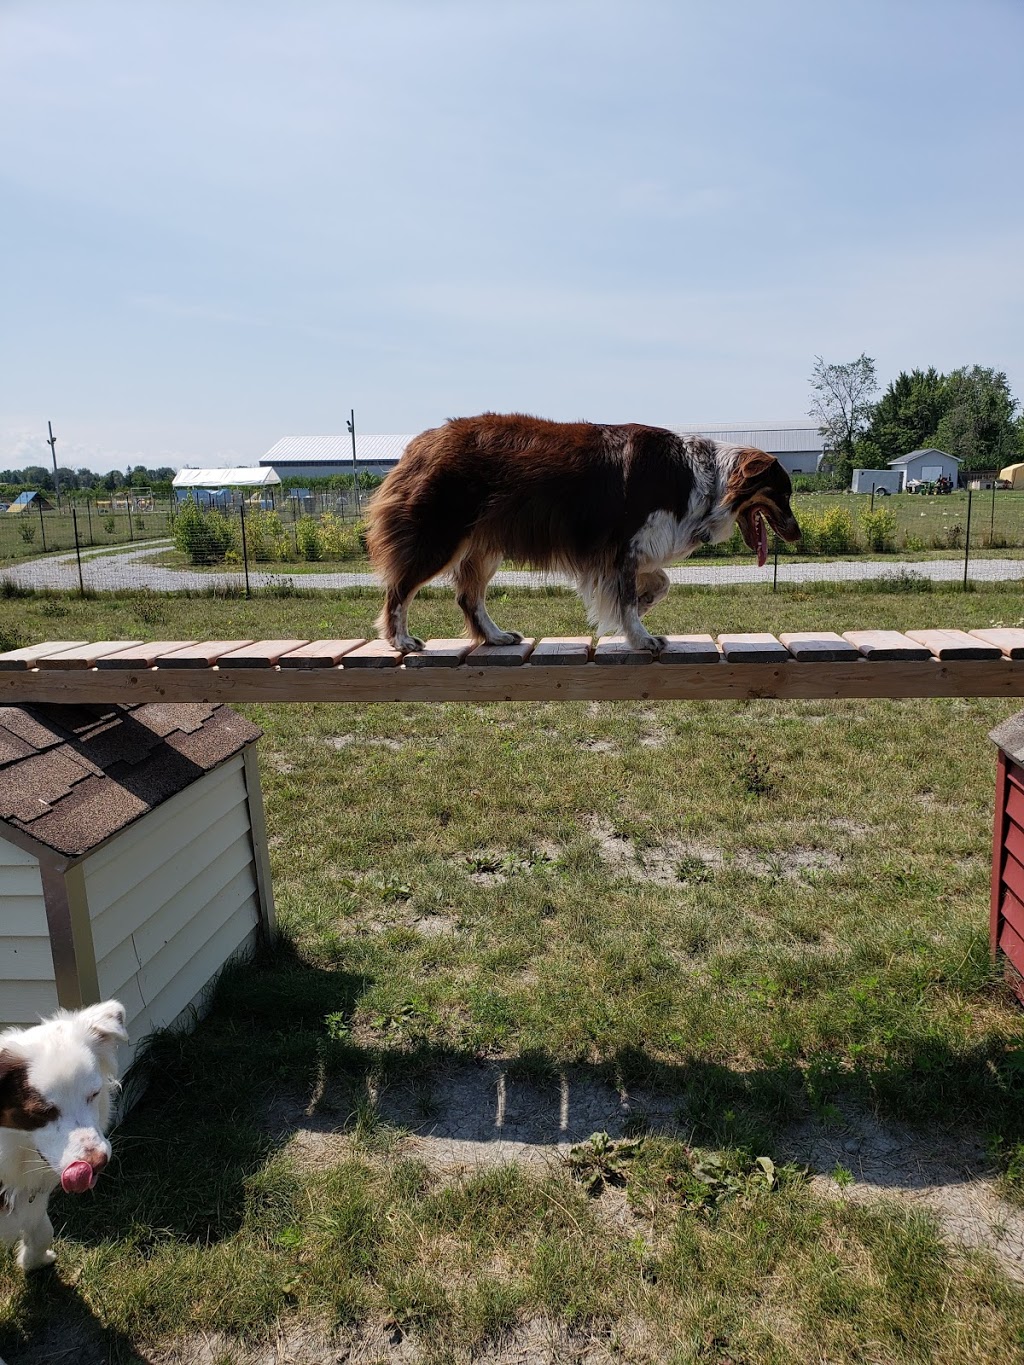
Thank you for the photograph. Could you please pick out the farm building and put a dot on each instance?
(927, 466)
(133, 859)
(797, 444)
(1012, 476)
(318, 457)
(30, 502)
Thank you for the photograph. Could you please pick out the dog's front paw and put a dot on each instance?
(35, 1260)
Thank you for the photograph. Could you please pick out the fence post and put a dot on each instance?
(131, 533)
(88, 511)
(245, 548)
(992, 518)
(42, 524)
(872, 507)
(78, 550)
(775, 571)
(967, 538)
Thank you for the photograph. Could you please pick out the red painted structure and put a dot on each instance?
(1007, 922)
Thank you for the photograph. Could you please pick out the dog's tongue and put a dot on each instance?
(762, 542)
(77, 1178)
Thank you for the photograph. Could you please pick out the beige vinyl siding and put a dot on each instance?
(27, 989)
(173, 898)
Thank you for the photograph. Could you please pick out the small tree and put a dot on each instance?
(842, 405)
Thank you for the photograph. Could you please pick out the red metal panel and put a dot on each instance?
(1012, 945)
(1014, 841)
(998, 834)
(1015, 804)
(1013, 875)
(1011, 912)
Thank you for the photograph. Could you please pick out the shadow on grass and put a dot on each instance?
(273, 1060)
(56, 1325)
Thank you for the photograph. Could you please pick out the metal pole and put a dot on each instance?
(78, 551)
(42, 524)
(775, 573)
(355, 470)
(872, 507)
(992, 519)
(967, 538)
(52, 443)
(245, 548)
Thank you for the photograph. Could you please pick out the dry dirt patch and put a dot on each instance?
(944, 1174)
(679, 860)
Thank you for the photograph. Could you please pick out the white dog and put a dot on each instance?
(56, 1082)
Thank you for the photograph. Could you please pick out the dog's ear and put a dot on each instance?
(12, 1086)
(106, 1021)
(750, 465)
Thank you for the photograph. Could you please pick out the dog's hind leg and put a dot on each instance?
(393, 622)
(471, 576)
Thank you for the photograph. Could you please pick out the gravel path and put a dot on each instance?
(132, 569)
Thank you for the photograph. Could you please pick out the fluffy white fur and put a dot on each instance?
(63, 1070)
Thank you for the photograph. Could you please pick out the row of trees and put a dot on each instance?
(84, 481)
(969, 412)
(38, 477)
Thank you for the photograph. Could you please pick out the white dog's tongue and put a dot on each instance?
(77, 1178)
(762, 542)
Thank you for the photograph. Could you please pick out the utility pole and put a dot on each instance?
(355, 471)
(52, 443)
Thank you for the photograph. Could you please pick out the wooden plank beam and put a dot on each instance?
(937, 663)
(471, 682)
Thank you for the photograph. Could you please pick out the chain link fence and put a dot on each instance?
(302, 540)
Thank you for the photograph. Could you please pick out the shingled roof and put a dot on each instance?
(71, 776)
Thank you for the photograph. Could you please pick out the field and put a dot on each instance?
(747, 941)
(26, 535)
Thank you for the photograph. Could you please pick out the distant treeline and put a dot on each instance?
(84, 483)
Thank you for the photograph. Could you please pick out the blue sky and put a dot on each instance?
(225, 222)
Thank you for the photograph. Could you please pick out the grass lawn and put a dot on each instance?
(763, 924)
(22, 537)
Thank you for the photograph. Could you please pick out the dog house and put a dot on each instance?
(1007, 921)
(133, 857)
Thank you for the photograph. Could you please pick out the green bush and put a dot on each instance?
(880, 528)
(265, 536)
(307, 537)
(206, 537)
(830, 534)
(339, 539)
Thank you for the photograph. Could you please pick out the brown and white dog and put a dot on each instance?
(56, 1083)
(607, 505)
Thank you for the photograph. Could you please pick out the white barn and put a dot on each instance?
(797, 444)
(133, 858)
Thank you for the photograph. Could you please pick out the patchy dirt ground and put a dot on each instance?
(942, 1173)
(484, 1115)
(679, 860)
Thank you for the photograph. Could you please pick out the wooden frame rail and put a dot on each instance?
(808, 664)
